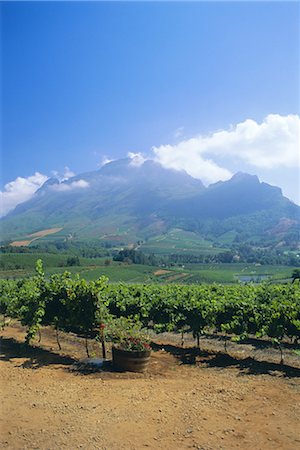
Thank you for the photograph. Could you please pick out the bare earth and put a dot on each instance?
(216, 402)
(34, 237)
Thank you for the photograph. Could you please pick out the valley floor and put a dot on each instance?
(214, 403)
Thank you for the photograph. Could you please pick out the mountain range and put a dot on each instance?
(128, 202)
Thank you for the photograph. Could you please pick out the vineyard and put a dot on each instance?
(71, 304)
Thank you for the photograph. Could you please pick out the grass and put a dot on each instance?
(227, 238)
(133, 273)
(28, 260)
(23, 264)
(178, 241)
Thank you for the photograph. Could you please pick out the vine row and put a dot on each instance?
(69, 303)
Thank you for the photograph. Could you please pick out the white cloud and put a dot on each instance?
(271, 144)
(105, 160)
(80, 184)
(137, 159)
(65, 176)
(186, 156)
(63, 187)
(20, 190)
(179, 132)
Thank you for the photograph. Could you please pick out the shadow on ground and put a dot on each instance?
(257, 343)
(33, 357)
(247, 366)
(36, 357)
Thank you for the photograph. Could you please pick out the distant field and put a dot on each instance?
(27, 260)
(43, 233)
(179, 241)
(20, 265)
(133, 273)
(229, 273)
(34, 236)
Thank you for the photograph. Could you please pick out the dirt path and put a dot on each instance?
(204, 405)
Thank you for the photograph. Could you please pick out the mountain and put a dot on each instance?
(128, 201)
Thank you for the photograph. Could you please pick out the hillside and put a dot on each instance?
(126, 203)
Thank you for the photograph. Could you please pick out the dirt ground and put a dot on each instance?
(209, 401)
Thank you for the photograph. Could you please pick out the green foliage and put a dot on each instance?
(127, 333)
(31, 302)
(73, 304)
(132, 256)
(9, 299)
(73, 261)
(296, 275)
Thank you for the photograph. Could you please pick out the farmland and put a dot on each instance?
(70, 303)
(190, 398)
(17, 265)
(34, 236)
(178, 241)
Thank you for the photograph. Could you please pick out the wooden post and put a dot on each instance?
(102, 326)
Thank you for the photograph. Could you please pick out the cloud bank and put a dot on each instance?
(63, 187)
(20, 190)
(268, 145)
(105, 160)
(137, 159)
(65, 176)
(271, 146)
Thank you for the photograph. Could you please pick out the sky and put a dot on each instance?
(208, 87)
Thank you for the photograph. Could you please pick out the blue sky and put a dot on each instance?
(82, 82)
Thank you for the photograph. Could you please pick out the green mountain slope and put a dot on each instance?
(126, 202)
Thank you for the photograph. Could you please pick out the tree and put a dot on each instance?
(295, 275)
(73, 261)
